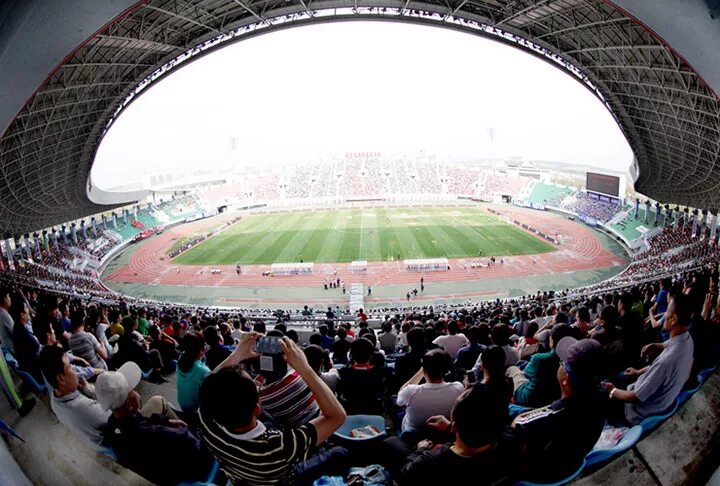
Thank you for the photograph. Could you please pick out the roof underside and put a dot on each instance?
(668, 114)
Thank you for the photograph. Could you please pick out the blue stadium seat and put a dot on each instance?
(358, 421)
(628, 440)
(146, 374)
(109, 453)
(516, 410)
(212, 474)
(27, 378)
(704, 374)
(649, 423)
(686, 394)
(557, 483)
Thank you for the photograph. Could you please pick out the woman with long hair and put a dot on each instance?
(191, 371)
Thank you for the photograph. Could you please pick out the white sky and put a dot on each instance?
(287, 96)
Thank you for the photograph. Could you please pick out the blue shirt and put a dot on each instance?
(659, 386)
(662, 301)
(188, 386)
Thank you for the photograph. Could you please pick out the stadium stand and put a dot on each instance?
(612, 327)
(655, 324)
(548, 194)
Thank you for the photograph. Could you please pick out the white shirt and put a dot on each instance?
(236, 333)
(6, 331)
(82, 415)
(331, 378)
(452, 343)
(424, 401)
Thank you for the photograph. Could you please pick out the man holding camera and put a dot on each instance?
(252, 452)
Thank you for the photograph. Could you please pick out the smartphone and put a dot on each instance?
(470, 376)
(268, 345)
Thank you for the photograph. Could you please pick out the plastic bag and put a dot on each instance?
(373, 475)
(610, 437)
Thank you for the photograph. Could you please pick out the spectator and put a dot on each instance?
(237, 330)
(6, 322)
(659, 384)
(148, 440)
(583, 320)
(477, 420)
(407, 364)
(217, 351)
(275, 390)
(191, 372)
(341, 347)
(26, 344)
(468, 355)
(115, 327)
(129, 349)
(556, 438)
(500, 336)
(82, 415)
(528, 345)
(361, 384)
(537, 385)
(434, 397)
(452, 342)
(315, 358)
(253, 453)
(326, 341)
(84, 345)
(164, 344)
(493, 374)
(387, 339)
(226, 334)
(143, 324)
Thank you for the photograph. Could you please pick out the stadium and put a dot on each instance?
(379, 314)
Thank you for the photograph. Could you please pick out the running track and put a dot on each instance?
(580, 249)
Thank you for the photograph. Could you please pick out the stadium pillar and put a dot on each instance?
(657, 213)
(73, 232)
(705, 215)
(36, 240)
(63, 234)
(114, 220)
(647, 210)
(45, 240)
(124, 215)
(9, 253)
(637, 207)
(135, 211)
(694, 222)
(93, 222)
(28, 247)
(53, 236)
(666, 215)
(104, 222)
(713, 228)
(83, 229)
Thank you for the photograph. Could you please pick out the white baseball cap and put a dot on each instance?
(113, 387)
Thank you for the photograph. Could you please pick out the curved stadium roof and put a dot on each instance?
(669, 115)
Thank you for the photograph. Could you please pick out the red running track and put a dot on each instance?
(580, 249)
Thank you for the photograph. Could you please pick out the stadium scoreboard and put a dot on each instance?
(603, 184)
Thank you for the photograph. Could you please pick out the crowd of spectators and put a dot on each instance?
(444, 378)
(582, 204)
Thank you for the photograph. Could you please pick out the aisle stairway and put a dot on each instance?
(357, 297)
(52, 455)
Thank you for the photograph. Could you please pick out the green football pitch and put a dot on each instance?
(373, 234)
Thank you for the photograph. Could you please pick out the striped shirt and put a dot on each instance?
(84, 345)
(289, 400)
(259, 457)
